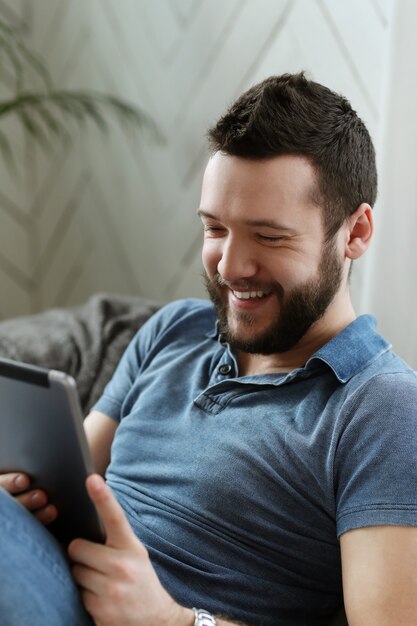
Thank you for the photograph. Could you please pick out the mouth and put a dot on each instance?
(250, 295)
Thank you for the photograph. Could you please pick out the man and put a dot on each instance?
(264, 448)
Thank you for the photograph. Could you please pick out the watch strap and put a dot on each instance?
(204, 618)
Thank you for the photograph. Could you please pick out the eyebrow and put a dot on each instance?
(255, 223)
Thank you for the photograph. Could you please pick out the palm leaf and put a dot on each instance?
(52, 111)
(7, 152)
(48, 118)
(47, 111)
(34, 128)
(10, 54)
(37, 65)
(5, 148)
(20, 56)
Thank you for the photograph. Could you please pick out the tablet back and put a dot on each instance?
(42, 434)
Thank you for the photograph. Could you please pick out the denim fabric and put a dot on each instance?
(36, 586)
(241, 486)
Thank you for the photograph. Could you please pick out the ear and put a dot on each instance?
(360, 227)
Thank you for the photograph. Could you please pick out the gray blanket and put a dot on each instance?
(86, 342)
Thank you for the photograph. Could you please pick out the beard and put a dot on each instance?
(300, 308)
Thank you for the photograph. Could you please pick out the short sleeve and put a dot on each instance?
(130, 367)
(376, 458)
(151, 338)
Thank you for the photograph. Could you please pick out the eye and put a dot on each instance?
(271, 239)
(213, 231)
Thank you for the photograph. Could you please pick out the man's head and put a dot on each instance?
(289, 114)
(285, 206)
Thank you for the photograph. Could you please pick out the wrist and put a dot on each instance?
(185, 617)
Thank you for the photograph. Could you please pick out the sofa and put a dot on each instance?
(85, 341)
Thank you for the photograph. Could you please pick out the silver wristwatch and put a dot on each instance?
(202, 618)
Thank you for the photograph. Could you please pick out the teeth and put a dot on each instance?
(245, 295)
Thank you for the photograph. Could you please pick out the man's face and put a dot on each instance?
(268, 271)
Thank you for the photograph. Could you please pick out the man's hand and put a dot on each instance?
(118, 582)
(35, 500)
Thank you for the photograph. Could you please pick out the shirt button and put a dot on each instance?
(224, 369)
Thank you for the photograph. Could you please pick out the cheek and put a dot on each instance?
(291, 271)
(210, 256)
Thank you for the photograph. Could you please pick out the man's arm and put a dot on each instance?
(100, 430)
(379, 566)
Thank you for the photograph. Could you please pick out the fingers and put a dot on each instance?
(32, 500)
(15, 482)
(88, 579)
(18, 485)
(92, 585)
(118, 531)
(35, 500)
(46, 515)
(90, 554)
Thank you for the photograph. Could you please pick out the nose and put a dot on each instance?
(237, 261)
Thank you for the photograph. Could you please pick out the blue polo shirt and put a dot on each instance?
(240, 486)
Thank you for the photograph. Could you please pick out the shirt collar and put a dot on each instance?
(346, 354)
(352, 349)
(214, 333)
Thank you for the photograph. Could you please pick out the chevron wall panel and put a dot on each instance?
(116, 212)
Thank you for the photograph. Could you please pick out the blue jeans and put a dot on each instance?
(36, 586)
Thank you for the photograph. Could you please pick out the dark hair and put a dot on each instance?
(290, 114)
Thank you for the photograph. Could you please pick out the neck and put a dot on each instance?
(339, 315)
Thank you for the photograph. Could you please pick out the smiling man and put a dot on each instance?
(263, 445)
(270, 272)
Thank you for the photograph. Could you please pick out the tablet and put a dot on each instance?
(42, 434)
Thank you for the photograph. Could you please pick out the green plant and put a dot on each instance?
(44, 111)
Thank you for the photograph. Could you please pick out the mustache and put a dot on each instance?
(242, 285)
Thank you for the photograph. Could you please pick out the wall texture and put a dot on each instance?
(117, 212)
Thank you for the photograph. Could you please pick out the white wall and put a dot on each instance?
(117, 213)
(390, 282)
